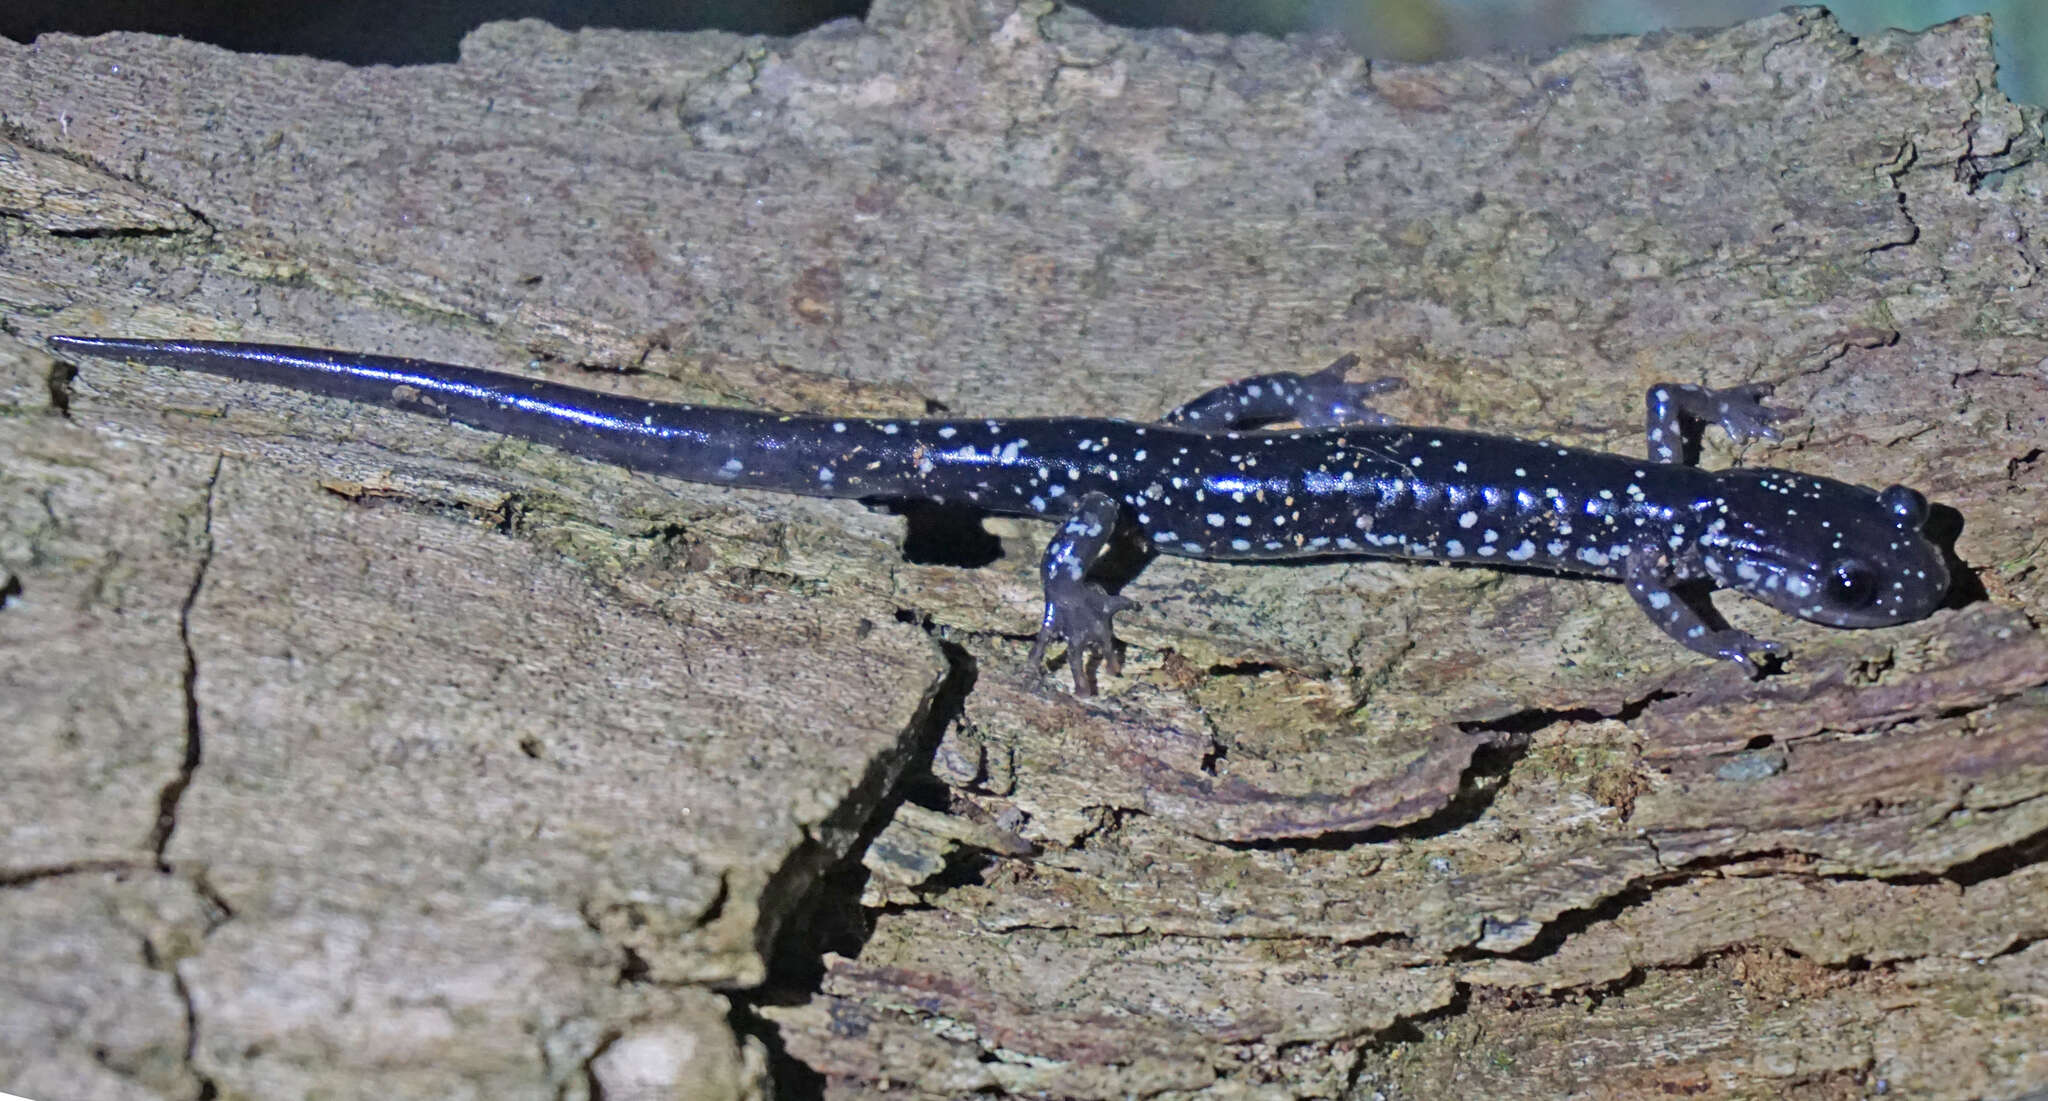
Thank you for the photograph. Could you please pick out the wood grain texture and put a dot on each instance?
(352, 754)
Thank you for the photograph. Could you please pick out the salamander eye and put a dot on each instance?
(1851, 585)
(1907, 505)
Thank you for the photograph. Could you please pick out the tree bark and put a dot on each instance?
(352, 754)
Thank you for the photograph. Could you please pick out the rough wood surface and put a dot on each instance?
(353, 755)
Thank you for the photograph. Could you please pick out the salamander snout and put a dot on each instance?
(1825, 551)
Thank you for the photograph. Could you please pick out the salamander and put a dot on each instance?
(1211, 479)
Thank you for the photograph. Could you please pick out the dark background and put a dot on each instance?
(411, 32)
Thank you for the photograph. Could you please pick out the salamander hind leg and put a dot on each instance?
(1649, 581)
(1320, 400)
(1739, 410)
(1078, 610)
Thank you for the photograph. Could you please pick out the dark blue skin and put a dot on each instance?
(1197, 484)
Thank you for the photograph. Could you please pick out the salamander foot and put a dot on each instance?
(1736, 646)
(1078, 613)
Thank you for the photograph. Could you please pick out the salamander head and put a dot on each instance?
(1822, 550)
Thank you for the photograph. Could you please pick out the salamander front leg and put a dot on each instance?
(1739, 410)
(1078, 610)
(1649, 581)
(1319, 400)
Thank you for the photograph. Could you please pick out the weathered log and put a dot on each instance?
(352, 754)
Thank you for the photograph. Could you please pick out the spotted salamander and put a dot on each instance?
(1205, 482)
